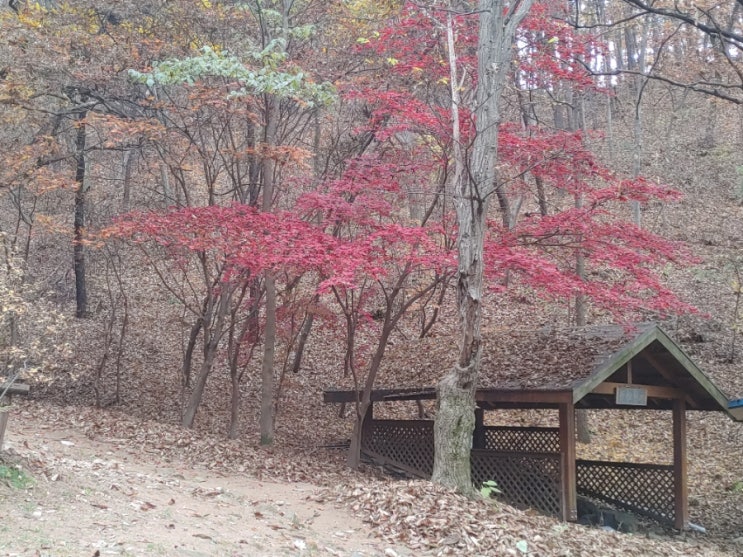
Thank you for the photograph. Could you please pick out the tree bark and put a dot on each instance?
(640, 82)
(127, 164)
(455, 416)
(266, 419)
(267, 371)
(304, 334)
(234, 428)
(81, 292)
(189, 415)
(213, 327)
(578, 122)
(188, 354)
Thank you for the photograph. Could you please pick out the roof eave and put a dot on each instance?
(700, 377)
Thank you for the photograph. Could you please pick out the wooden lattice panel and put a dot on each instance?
(522, 439)
(646, 489)
(529, 480)
(407, 443)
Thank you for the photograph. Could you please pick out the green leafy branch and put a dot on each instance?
(264, 80)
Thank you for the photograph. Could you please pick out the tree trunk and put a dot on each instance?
(266, 419)
(455, 416)
(189, 415)
(213, 327)
(454, 426)
(267, 371)
(81, 293)
(234, 428)
(639, 54)
(390, 321)
(127, 163)
(304, 334)
(168, 198)
(578, 122)
(188, 354)
(353, 459)
(236, 336)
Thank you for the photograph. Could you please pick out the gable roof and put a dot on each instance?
(560, 364)
(655, 360)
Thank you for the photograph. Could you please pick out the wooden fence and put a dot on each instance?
(645, 489)
(524, 462)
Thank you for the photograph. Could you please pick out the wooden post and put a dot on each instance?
(478, 437)
(680, 470)
(568, 490)
(3, 417)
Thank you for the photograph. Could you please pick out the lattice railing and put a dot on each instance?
(522, 439)
(529, 480)
(529, 477)
(647, 489)
(526, 479)
(407, 444)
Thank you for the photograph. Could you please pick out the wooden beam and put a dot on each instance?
(15, 388)
(680, 470)
(508, 396)
(525, 396)
(380, 395)
(487, 405)
(665, 373)
(568, 488)
(609, 388)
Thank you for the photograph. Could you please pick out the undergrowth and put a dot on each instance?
(14, 476)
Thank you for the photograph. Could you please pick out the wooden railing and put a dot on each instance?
(645, 489)
(522, 439)
(405, 444)
(526, 478)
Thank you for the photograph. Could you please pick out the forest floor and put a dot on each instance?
(86, 496)
(103, 483)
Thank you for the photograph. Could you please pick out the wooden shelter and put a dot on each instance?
(603, 367)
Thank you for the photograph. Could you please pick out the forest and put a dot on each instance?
(212, 211)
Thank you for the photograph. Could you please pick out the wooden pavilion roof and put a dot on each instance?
(528, 368)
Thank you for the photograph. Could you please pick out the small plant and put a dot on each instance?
(737, 487)
(15, 477)
(490, 489)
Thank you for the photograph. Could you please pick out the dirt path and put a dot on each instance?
(102, 498)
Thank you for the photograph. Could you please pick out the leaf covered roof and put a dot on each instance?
(555, 360)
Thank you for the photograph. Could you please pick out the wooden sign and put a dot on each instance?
(632, 396)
